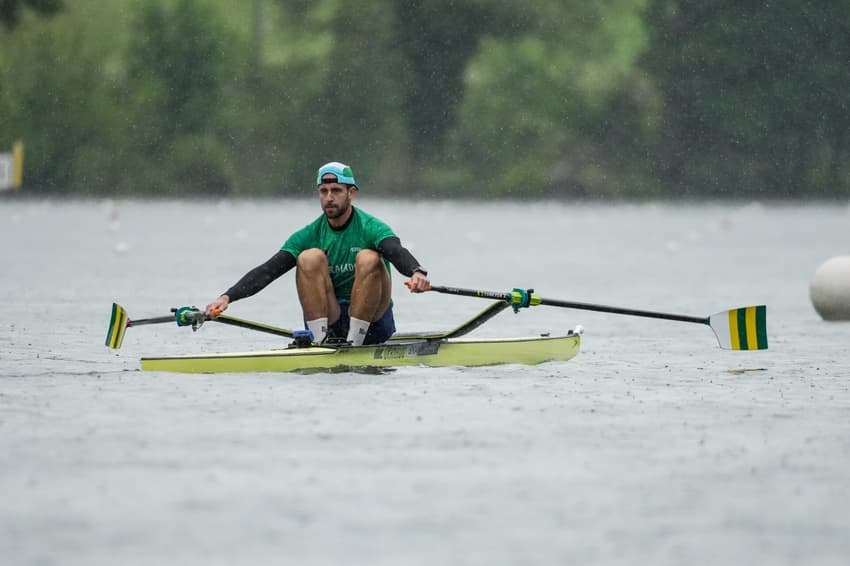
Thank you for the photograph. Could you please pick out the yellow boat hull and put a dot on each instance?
(434, 353)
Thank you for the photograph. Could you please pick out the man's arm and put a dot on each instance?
(406, 264)
(399, 256)
(254, 281)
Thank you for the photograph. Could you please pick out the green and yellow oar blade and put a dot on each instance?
(741, 329)
(117, 327)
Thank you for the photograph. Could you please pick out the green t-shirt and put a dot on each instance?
(363, 231)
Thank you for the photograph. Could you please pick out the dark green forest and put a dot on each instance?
(620, 99)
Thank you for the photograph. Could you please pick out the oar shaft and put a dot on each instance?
(620, 310)
(155, 320)
(570, 305)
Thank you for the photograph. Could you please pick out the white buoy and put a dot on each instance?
(830, 289)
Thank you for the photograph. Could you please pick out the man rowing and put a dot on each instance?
(342, 267)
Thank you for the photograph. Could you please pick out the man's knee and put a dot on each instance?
(311, 259)
(367, 260)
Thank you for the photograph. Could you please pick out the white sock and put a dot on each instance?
(319, 328)
(357, 330)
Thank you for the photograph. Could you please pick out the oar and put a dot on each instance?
(118, 324)
(736, 329)
(183, 316)
(191, 316)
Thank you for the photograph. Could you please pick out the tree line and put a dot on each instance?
(606, 99)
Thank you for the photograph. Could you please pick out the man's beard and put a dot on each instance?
(337, 211)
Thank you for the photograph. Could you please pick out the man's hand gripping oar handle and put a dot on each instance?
(409, 285)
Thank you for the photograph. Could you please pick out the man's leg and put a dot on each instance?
(370, 295)
(316, 293)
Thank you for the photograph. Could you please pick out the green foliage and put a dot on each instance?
(200, 165)
(176, 65)
(10, 10)
(54, 98)
(345, 101)
(436, 38)
(754, 96)
(605, 99)
(536, 106)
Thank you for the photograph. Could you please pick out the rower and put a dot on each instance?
(342, 267)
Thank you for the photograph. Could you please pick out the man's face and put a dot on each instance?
(334, 197)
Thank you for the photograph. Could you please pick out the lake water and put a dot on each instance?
(652, 446)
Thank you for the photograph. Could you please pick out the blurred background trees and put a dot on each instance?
(606, 99)
(10, 10)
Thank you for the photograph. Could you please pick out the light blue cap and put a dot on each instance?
(343, 173)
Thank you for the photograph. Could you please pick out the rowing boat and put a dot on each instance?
(434, 349)
(742, 328)
(468, 352)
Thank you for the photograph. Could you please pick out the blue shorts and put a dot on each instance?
(379, 331)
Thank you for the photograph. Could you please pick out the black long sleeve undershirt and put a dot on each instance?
(261, 276)
(398, 255)
(258, 278)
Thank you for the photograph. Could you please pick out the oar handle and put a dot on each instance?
(497, 295)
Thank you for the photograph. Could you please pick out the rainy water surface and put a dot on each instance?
(652, 446)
